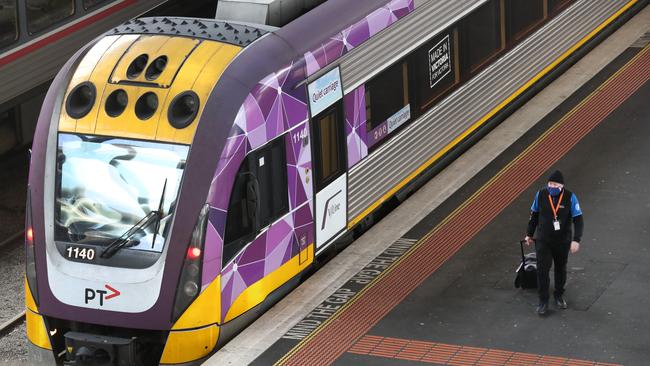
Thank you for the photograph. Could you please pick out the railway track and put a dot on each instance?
(12, 238)
(12, 323)
(16, 320)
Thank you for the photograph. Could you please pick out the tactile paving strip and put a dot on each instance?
(340, 332)
(454, 355)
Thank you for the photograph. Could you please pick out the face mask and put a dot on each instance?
(554, 191)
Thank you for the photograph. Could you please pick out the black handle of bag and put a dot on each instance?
(523, 257)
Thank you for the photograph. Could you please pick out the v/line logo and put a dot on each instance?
(330, 210)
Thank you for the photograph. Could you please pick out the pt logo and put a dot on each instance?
(99, 295)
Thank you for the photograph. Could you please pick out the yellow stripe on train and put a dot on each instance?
(257, 292)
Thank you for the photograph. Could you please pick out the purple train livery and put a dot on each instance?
(187, 173)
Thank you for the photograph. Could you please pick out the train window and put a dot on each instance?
(259, 196)
(91, 3)
(271, 173)
(524, 16)
(556, 6)
(42, 14)
(149, 174)
(328, 136)
(435, 69)
(484, 37)
(9, 23)
(239, 223)
(387, 102)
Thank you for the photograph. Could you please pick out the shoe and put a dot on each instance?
(541, 308)
(559, 302)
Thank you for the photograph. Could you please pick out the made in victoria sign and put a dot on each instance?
(439, 61)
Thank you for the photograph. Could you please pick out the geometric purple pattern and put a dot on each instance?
(355, 125)
(353, 36)
(271, 108)
(275, 106)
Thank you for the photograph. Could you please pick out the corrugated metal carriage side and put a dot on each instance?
(437, 130)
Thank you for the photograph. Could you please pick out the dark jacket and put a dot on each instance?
(542, 217)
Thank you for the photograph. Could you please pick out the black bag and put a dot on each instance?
(527, 270)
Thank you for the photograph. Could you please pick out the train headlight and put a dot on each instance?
(146, 105)
(189, 285)
(30, 259)
(137, 66)
(81, 99)
(156, 68)
(191, 288)
(116, 103)
(183, 109)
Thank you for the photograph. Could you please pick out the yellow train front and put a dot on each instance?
(134, 173)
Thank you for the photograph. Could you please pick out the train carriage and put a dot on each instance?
(187, 173)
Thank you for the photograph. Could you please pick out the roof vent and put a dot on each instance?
(276, 13)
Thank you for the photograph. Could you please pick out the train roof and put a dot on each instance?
(291, 42)
(302, 34)
(235, 33)
(310, 30)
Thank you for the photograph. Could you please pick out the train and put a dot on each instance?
(37, 37)
(187, 173)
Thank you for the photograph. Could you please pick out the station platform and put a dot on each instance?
(442, 290)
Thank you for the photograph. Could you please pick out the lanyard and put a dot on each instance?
(553, 207)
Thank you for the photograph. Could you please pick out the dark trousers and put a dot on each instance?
(547, 254)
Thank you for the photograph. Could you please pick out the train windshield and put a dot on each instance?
(107, 186)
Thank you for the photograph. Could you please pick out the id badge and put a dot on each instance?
(556, 225)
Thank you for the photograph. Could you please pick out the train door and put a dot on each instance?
(330, 157)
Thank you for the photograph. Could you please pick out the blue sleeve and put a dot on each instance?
(575, 206)
(535, 206)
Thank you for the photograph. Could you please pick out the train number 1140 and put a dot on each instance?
(74, 252)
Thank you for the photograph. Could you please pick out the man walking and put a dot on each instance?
(554, 209)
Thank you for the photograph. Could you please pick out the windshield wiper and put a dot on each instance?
(160, 215)
(148, 219)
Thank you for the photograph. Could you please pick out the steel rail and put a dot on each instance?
(12, 238)
(10, 324)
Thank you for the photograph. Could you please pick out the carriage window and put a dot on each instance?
(271, 173)
(9, 22)
(434, 67)
(483, 32)
(239, 224)
(43, 14)
(556, 6)
(328, 138)
(387, 102)
(259, 196)
(524, 16)
(90, 3)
